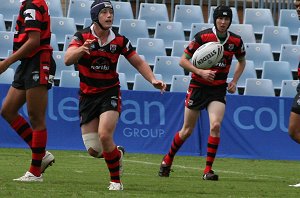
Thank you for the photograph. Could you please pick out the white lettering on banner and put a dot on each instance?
(258, 114)
(144, 133)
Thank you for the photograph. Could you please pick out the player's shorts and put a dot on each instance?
(200, 97)
(91, 107)
(35, 71)
(296, 103)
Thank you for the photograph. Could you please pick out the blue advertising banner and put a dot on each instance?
(253, 127)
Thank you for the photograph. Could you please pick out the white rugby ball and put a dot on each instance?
(207, 55)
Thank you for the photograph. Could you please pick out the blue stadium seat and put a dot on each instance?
(259, 87)
(123, 81)
(123, 66)
(197, 27)
(258, 53)
(68, 38)
(54, 43)
(9, 8)
(133, 29)
(13, 23)
(150, 48)
(298, 38)
(235, 17)
(61, 26)
(169, 32)
(69, 79)
(141, 84)
(153, 12)
(277, 71)
(6, 40)
(87, 22)
(188, 14)
(258, 18)
(55, 8)
(245, 31)
(249, 72)
(291, 54)
(2, 23)
(58, 56)
(180, 83)
(7, 77)
(79, 10)
(178, 48)
(289, 88)
(289, 18)
(122, 10)
(276, 36)
(167, 66)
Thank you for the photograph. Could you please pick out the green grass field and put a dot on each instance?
(75, 174)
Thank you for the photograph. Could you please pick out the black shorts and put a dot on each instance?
(200, 97)
(35, 71)
(296, 104)
(93, 106)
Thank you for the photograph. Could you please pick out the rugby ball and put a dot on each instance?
(207, 55)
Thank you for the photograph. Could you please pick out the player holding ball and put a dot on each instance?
(207, 89)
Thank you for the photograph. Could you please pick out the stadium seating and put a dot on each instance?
(79, 10)
(150, 47)
(54, 43)
(122, 10)
(249, 72)
(235, 18)
(6, 41)
(153, 12)
(258, 53)
(197, 27)
(298, 38)
(69, 79)
(141, 84)
(258, 18)
(289, 18)
(7, 77)
(13, 23)
(58, 56)
(9, 8)
(276, 36)
(188, 14)
(2, 23)
(68, 38)
(55, 8)
(123, 81)
(61, 26)
(259, 87)
(276, 71)
(169, 32)
(288, 88)
(245, 31)
(123, 66)
(133, 29)
(178, 48)
(167, 66)
(180, 83)
(291, 54)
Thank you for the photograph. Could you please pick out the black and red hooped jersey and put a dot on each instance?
(97, 70)
(232, 46)
(33, 16)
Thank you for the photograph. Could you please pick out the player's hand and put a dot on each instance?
(231, 88)
(87, 45)
(158, 84)
(208, 75)
(3, 66)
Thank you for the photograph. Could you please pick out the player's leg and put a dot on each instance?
(294, 127)
(190, 120)
(216, 112)
(112, 155)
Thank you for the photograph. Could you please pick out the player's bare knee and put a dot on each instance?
(216, 126)
(92, 144)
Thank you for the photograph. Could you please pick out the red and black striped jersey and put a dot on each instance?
(97, 70)
(33, 16)
(233, 45)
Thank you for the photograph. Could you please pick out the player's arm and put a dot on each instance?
(32, 43)
(144, 69)
(240, 66)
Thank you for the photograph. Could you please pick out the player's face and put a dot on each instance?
(106, 17)
(222, 24)
(297, 6)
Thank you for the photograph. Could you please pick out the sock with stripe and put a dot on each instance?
(113, 164)
(176, 144)
(212, 147)
(21, 126)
